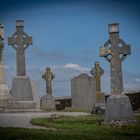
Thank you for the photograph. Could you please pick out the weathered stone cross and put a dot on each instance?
(48, 76)
(97, 72)
(20, 42)
(1, 41)
(115, 51)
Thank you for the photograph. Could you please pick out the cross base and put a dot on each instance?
(118, 110)
(21, 89)
(48, 102)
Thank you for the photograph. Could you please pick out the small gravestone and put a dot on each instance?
(48, 101)
(4, 92)
(118, 107)
(83, 92)
(21, 91)
(97, 72)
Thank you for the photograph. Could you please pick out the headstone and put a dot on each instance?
(21, 86)
(118, 107)
(97, 72)
(48, 101)
(83, 92)
(4, 92)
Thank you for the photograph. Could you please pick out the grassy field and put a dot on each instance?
(72, 128)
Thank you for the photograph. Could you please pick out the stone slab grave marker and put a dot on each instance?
(83, 92)
(21, 85)
(48, 101)
(97, 72)
(4, 92)
(118, 107)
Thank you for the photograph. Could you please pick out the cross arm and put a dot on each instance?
(28, 41)
(12, 42)
(105, 52)
(125, 50)
(93, 72)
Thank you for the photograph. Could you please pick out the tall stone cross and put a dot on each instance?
(115, 51)
(1, 41)
(20, 42)
(48, 76)
(97, 72)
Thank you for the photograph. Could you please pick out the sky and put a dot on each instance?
(67, 36)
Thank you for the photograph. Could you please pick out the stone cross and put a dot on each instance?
(115, 51)
(1, 41)
(48, 76)
(20, 42)
(97, 72)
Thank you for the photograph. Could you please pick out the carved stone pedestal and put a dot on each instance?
(22, 94)
(4, 92)
(21, 89)
(48, 102)
(118, 109)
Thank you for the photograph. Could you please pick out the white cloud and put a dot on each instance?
(76, 67)
(137, 80)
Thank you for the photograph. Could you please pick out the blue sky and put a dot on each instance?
(67, 36)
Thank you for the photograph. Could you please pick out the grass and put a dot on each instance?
(72, 128)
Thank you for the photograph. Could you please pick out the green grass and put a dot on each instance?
(72, 128)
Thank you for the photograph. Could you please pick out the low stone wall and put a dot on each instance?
(63, 102)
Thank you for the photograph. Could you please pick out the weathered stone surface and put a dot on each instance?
(20, 42)
(36, 95)
(115, 51)
(21, 92)
(83, 92)
(48, 102)
(118, 107)
(21, 89)
(100, 97)
(97, 72)
(4, 92)
(48, 76)
(21, 105)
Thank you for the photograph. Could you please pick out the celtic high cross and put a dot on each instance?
(97, 72)
(20, 42)
(48, 76)
(115, 51)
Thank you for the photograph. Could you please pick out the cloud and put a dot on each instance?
(76, 67)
